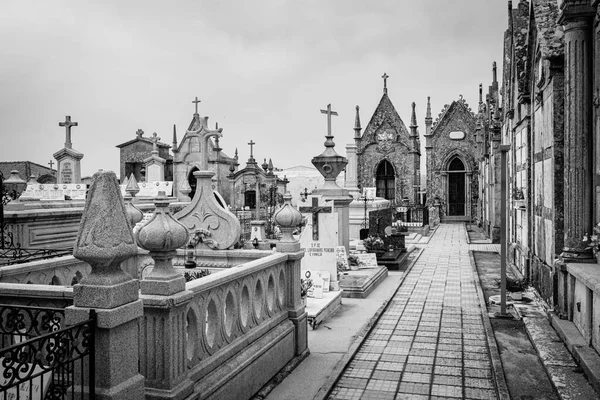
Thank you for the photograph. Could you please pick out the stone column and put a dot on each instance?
(288, 218)
(496, 218)
(351, 182)
(105, 240)
(576, 18)
(163, 328)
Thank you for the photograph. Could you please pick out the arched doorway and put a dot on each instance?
(456, 188)
(385, 180)
(192, 182)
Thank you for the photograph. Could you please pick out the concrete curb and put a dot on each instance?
(585, 356)
(361, 337)
(501, 386)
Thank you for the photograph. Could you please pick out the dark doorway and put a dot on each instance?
(386, 180)
(250, 199)
(192, 181)
(456, 188)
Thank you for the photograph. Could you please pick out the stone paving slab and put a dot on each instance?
(431, 341)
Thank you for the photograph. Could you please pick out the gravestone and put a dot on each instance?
(342, 258)
(68, 159)
(380, 223)
(319, 238)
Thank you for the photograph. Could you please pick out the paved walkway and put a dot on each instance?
(430, 342)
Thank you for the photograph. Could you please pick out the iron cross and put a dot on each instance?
(329, 114)
(251, 143)
(68, 124)
(385, 76)
(315, 210)
(196, 103)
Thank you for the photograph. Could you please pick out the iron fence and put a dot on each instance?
(12, 253)
(412, 214)
(42, 359)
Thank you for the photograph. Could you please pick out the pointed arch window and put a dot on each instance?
(385, 180)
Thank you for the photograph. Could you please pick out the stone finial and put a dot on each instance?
(135, 214)
(162, 233)
(385, 77)
(104, 239)
(161, 236)
(185, 189)
(413, 116)
(288, 218)
(265, 165)
(174, 138)
(494, 73)
(357, 127)
(270, 167)
(232, 168)
(139, 133)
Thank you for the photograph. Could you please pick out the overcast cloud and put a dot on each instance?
(263, 70)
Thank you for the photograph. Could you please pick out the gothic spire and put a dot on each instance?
(357, 127)
(174, 137)
(494, 73)
(413, 121)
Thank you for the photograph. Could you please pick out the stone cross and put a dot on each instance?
(329, 114)
(139, 133)
(68, 124)
(385, 76)
(251, 143)
(51, 163)
(315, 210)
(305, 194)
(196, 104)
(154, 140)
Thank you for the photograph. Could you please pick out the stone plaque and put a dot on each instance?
(154, 173)
(66, 172)
(367, 260)
(321, 275)
(342, 257)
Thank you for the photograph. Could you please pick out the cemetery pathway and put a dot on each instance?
(431, 340)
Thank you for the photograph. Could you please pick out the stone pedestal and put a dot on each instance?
(68, 166)
(258, 230)
(155, 168)
(351, 181)
(105, 240)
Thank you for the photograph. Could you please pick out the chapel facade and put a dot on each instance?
(388, 154)
(452, 168)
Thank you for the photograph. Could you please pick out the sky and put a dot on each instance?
(263, 70)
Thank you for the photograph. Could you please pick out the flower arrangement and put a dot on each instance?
(518, 194)
(305, 285)
(373, 243)
(593, 241)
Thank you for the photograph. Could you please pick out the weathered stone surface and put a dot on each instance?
(105, 238)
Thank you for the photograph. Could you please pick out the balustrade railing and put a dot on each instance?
(42, 359)
(232, 306)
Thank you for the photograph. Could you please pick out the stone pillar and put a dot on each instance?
(105, 240)
(351, 181)
(163, 328)
(496, 219)
(288, 218)
(68, 166)
(576, 18)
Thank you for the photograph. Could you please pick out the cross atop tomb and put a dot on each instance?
(154, 140)
(68, 124)
(315, 209)
(251, 144)
(385, 76)
(139, 133)
(196, 104)
(51, 163)
(329, 114)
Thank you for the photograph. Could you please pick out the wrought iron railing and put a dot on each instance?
(412, 214)
(42, 359)
(12, 253)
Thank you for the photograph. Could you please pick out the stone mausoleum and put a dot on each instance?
(452, 168)
(388, 153)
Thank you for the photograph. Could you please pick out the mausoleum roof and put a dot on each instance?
(550, 34)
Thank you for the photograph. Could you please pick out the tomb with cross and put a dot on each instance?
(155, 165)
(319, 238)
(68, 160)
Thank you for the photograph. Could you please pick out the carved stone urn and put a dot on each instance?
(161, 236)
(288, 218)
